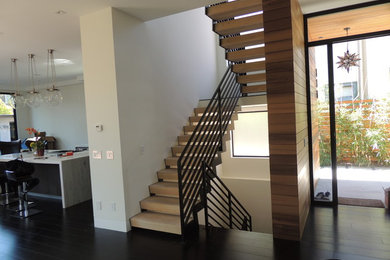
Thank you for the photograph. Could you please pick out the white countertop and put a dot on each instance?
(50, 157)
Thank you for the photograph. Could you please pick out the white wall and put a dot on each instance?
(66, 122)
(164, 67)
(102, 108)
(151, 75)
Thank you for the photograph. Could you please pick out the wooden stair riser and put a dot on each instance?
(168, 175)
(189, 129)
(171, 162)
(242, 41)
(243, 55)
(232, 9)
(194, 120)
(161, 205)
(162, 190)
(157, 221)
(239, 25)
(249, 67)
(254, 89)
(245, 79)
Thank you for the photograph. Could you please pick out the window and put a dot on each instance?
(250, 135)
(7, 119)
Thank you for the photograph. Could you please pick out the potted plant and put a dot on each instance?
(39, 143)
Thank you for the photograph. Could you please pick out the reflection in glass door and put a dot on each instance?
(320, 123)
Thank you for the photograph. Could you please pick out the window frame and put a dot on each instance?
(232, 139)
(15, 118)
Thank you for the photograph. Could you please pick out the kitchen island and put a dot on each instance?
(66, 178)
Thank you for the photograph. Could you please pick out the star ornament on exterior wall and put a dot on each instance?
(348, 60)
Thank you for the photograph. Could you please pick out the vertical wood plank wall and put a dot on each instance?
(287, 120)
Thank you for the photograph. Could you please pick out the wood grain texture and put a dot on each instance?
(363, 20)
(286, 95)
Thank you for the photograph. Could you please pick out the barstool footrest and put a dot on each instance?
(25, 213)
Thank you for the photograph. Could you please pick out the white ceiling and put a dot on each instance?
(32, 26)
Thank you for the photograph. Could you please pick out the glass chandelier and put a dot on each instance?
(17, 97)
(53, 95)
(34, 98)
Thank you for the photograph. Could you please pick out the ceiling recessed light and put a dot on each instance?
(60, 12)
(63, 62)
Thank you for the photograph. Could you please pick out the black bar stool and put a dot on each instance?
(19, 172)
(7, 198)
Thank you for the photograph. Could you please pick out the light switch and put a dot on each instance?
(99, 128)
(97, 155)
(110, 155)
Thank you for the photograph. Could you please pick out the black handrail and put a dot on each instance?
(204, 144)
(220, 205)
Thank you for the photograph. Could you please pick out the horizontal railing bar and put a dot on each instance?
(227, 203)
(210, 216)
(215, 213)
(216, 206)
(223, 184)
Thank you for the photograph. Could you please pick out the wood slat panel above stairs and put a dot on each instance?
(242, 41)
(239, 25)
(251, 78)
(247, 54)
(232, 9)
(237, 34)
(249, 67)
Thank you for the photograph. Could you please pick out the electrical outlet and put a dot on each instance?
(97, 155)
(141, 149)
(110, 155)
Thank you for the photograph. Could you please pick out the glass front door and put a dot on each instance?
(350, 121)
(362, 118)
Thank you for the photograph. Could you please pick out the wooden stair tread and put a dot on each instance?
(249, 67)
(168, 174)
(167, 189)
(239, 25)
(191, 128)
(160, 204)
(196, 119)
(232, 9)
(243, 55)
(157, 221)
(201, 110)
(254, 88)
(242, 41)
(244, 79)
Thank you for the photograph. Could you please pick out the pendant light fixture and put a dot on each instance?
(17, 98)
(348, 60)
(34, 98)
(53, 95)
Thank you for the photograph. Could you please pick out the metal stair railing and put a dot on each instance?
(220, 205)
(204, 144)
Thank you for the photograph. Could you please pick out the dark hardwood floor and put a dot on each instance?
(347, 233)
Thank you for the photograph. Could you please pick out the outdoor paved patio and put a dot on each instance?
(355, 182)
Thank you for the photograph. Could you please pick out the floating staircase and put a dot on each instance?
(184, 187)
(160, 211)
(239, 25)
